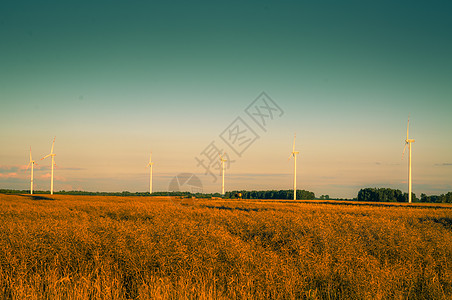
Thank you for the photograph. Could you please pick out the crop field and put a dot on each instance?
(94, 247)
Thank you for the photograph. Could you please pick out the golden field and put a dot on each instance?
(101, 247)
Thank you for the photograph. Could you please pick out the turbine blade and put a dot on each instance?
(28, 166)
(150, 158)
(294, 137)
(31, 159)
(407, 127)
(404, 148)
(53, 144)
(45, 156)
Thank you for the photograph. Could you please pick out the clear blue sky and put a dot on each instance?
(114, 80)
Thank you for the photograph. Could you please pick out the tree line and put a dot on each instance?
(123, 193)
(271, 194)
(384, 195)
(443, 198)
(393, 195)
(365, 194)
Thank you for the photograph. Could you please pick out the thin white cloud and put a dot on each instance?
(444, 165)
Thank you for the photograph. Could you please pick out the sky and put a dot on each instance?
(115, 80)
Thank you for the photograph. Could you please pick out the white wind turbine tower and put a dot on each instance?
(222, 160)
(32, 163)
(294, 154)
(53, 163)
(150, 178)
(408, 142)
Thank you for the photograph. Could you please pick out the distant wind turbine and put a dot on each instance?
(294, 154)
(53, 163)
(150, 178)
(408, 142)
(32, 163)
(222, 160)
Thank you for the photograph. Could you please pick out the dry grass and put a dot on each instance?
(85, 247)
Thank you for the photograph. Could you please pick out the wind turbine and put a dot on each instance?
(222, 160)
(408, 142)
(53, 163)
(150, 179)
(294, 154)
(32, 162)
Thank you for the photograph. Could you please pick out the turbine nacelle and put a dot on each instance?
(222, 157)
(52, 155)
(408, 142)
(294, 155)
(32, 162)
(222, 161)
(293, 148)
(150, 161)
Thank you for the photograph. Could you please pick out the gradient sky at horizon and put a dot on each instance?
(114, 80)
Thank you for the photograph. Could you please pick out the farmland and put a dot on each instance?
(100, 247)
